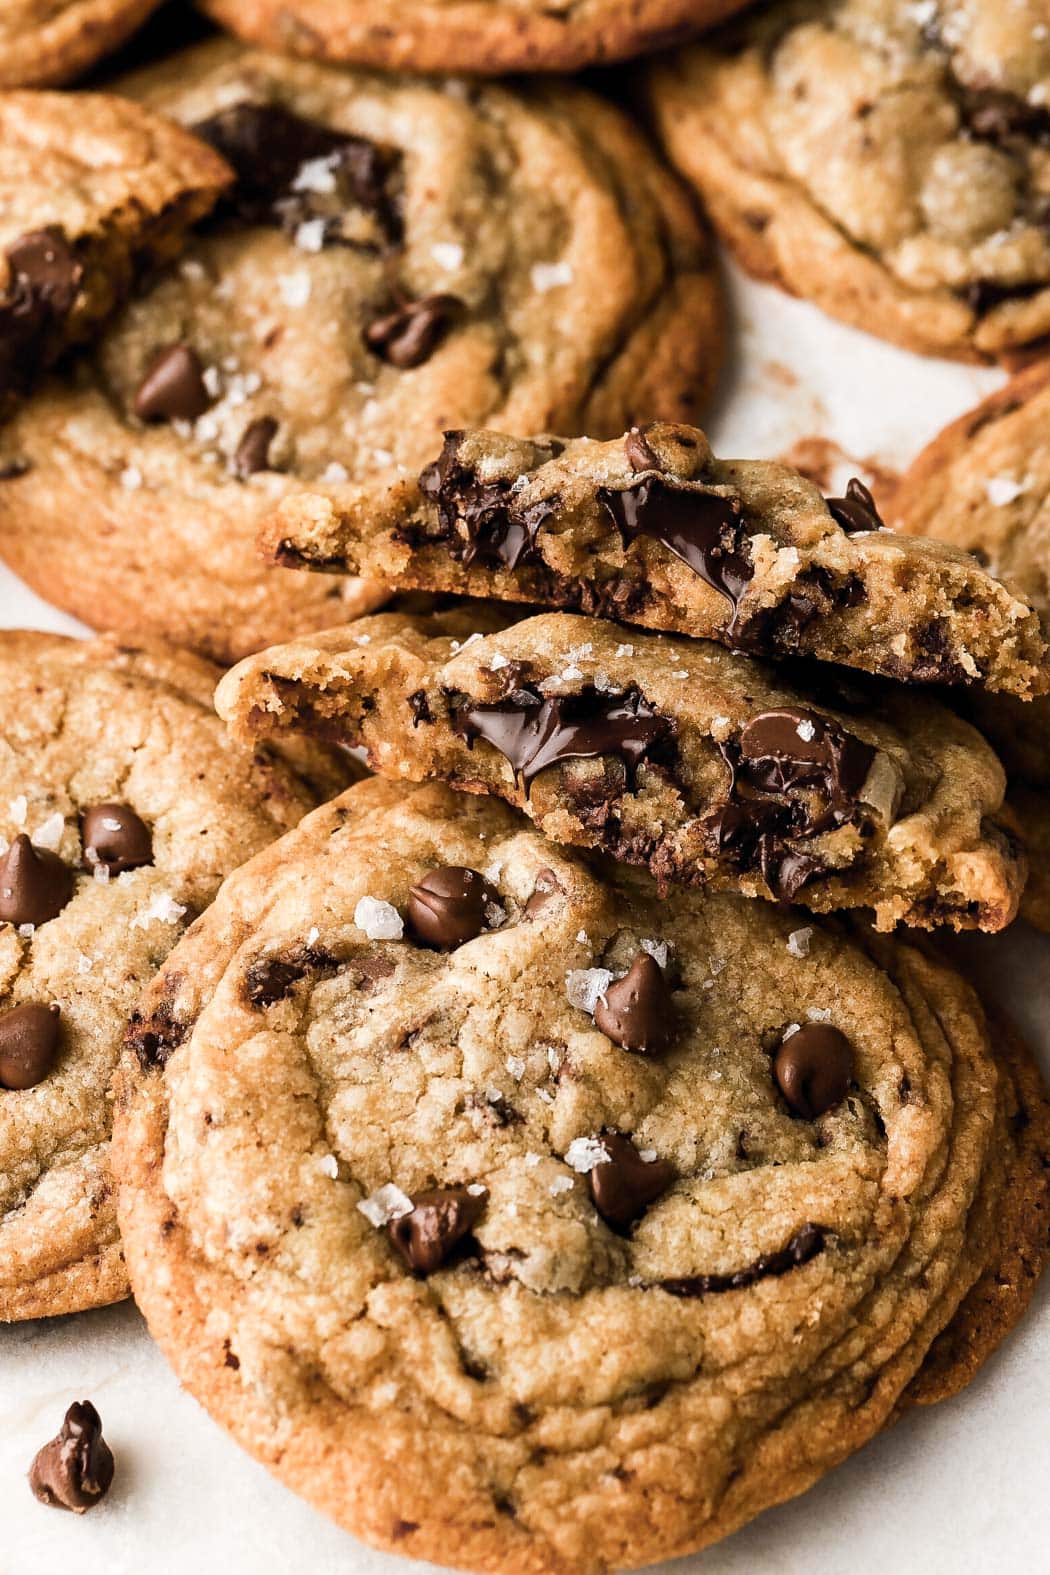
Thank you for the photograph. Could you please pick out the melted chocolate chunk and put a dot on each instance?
(637, 1012)
(115, 836)
(253, 451)
(703, 530)
(812, 1068)
(290, 171)
(803, 1246)
(481, 520)
(155, 1039)
(439, 1222)
(791, 748)
(409, 335)
(75, 1469)
(28, 1044)
(44, 278)
(35, 884)
(624, 1185)
(448, 906)
(856, 511)
(533, 734)
(173, 388)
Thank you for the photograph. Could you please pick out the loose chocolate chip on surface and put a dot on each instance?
(702, 529)
(439, 1221)
(35, 884)
(173, 388)
(409, 335)
(623, 1186)
(44, 277)
(115, 836)
(803, 1246)
(637, 1012)
(448, 906)
(28, 1044)
(75, 1469)
(856, 511)
(812, 1068)
(253, 451)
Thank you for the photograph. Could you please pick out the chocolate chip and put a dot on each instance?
(28, 1044)
(409, 335)
(483, 521)
(702, 529)
(637, 1012)
(75, 1469)
(439, 1221)
(533, 734)
(803, 1246)
(44, 278)
(173, 388)
(637, 451)
(792, 747)
(155, 1039)
(115, 836)
(813, 1067)
(543, 893)
(448, 906)
(856, 511)
(253, 451)
(623, 1186)
(35, 884)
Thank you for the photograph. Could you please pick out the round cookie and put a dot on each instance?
(397, 256)
(523, 1221)
(488, 37)
(122, 807)
(45, 42)
(983, 484)
(887, 161)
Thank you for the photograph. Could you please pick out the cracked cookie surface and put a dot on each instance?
(484, 36)
(398, 254)
(889, 162)
(708, 768)
(46, 42)
(654, 529)
(113, 840)
(391, 1204)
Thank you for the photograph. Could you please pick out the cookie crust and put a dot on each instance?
(44, 43)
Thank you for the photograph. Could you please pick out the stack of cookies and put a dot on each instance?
(496, 1028)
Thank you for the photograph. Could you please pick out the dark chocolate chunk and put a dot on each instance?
(253, 451)
(448, 906)
(28, 1044)
(409, 335)
(115, 836)
(856, 511)
(702, 529)
(813, 1067)
(173, 387)
(623, 1186)
(75, 1469)
(482, 520)
(35, 884)
(803, 1246)
(44, 277)
(439, 1221)
(272, 979)
(533, 733)
(791, 748)
(155, 1039)
(637, 1011)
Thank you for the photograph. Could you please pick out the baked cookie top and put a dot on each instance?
(45, 42)
(122, 807)
(707, 767)
(890, 162)
(489, 37)
(397, 254)
(653, 529)
(521, 1220)
(114, 189)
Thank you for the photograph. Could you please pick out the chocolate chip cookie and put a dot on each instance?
(984, 484)
(397, 254)
(45, 42)
(653, 529)
(709, 768)
(122, 807)
(476, 36)
(114, 189)
(521, 1220)
(889, 162)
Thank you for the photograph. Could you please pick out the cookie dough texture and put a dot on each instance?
(484, 36)
(89, 724)
(984, 485)
(515, 255)
(496, 1415)
(654, 529)
(92, 190)
(889, 162)
(47, 42)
